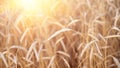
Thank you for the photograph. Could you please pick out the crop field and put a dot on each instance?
(59, 33)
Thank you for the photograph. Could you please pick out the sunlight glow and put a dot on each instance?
(44, 7)
(28, 4)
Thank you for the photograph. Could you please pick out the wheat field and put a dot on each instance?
(60, 34)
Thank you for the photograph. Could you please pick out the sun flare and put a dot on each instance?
(28, 4)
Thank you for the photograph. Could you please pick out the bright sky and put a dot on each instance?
(28, 4)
